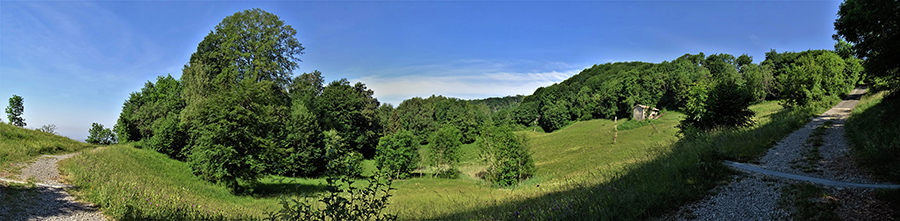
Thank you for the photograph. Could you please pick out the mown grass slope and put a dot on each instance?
(22, 145)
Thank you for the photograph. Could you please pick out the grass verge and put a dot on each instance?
(874, 132)
(18, 145)
(136, 184)
(809, 202)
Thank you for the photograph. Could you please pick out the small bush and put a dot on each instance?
(398, 154)
(507, 156)
(445, 149)
(342, 201)
(49, 128)
(100, 135)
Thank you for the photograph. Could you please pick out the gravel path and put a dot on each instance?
(753, 196)
(45, 202)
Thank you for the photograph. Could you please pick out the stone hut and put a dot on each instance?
(643, 111)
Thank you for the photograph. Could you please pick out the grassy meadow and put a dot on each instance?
(581, 174)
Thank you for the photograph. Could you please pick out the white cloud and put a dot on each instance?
(395, 89)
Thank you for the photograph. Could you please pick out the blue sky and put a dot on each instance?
(76, 62)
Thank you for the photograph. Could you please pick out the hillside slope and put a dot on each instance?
(21, 145)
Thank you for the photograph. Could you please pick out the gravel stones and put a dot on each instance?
(46, 203)
(753, 196)
(44, 169)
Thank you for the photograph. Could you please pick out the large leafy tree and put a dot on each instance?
(874, 27)
(14, 111)
(237, 99)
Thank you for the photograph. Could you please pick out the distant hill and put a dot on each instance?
(499, 103)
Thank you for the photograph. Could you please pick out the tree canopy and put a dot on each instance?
(14, 111)
(874, 27)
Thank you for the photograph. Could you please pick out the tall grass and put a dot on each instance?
(22, 145)
(874, 131)
(136, 184)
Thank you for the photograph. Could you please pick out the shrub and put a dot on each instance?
(49, 128)
(507, 156)
(726, 105)
(341, 160)
(100, 135)
(342, 201)
(169, 137)
(445, 149)
(398, 154)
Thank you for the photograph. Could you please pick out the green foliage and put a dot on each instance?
(496, 104)
(351, 110)
(398, 154)
(507, 156)
(727, 105)
(303, 156)
(253, 46)
(555, 116)
(424, 116)
(759, 80)
(341, 160)
(169, 137)
(613, 89)
(232, 141)
(871, 25)
(99, 135)
(445, 150)
(14, 111)
(342, 201)
(153, 117)
(236, 99)
(807, 77)
(844, 48)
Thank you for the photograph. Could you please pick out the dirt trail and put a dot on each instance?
(49, 200)
(754, 195)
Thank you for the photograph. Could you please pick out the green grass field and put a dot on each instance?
(581, 174)
(19, 145)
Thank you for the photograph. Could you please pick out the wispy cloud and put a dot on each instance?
(472, 85)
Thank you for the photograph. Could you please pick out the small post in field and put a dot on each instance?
(616, 127)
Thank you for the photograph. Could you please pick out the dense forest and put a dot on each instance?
(238, 113)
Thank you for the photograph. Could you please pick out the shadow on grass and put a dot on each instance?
(275, 190)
